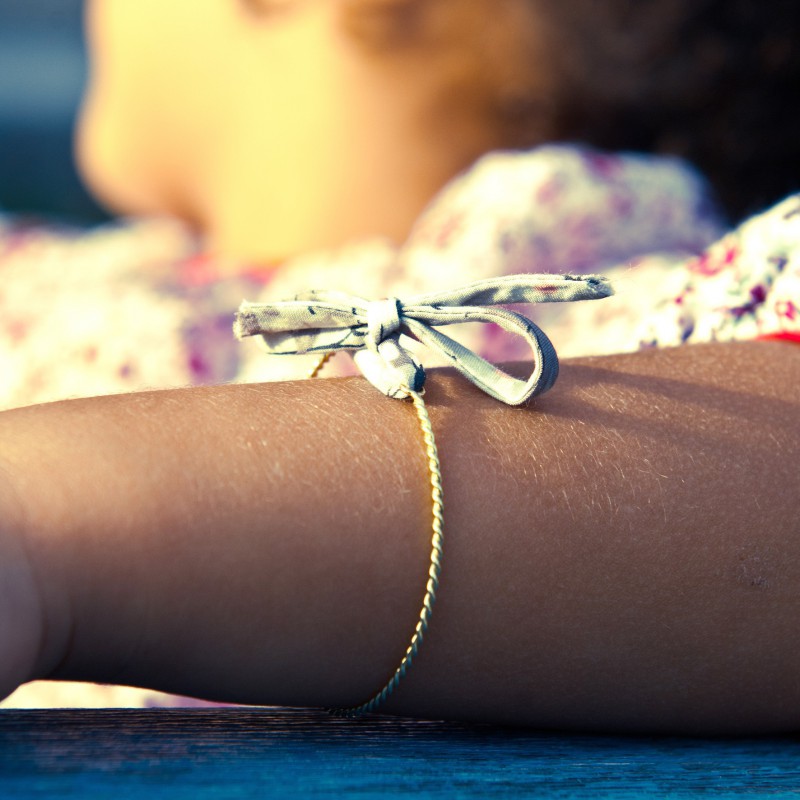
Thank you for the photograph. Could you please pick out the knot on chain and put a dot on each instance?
(383, 321)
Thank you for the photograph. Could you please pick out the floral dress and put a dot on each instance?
(136, 305)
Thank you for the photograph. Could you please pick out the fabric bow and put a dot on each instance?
(328, 321)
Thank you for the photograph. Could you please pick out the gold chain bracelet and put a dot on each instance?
(326, 321)
(435, 568)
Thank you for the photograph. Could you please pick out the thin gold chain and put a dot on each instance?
(435, 568)
(320, 364)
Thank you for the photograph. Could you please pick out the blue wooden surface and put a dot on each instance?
(233, 753)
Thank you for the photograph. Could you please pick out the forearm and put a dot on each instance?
(621, 555)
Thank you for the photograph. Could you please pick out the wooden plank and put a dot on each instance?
(237, 753)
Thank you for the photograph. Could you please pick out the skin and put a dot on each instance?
(619, 556)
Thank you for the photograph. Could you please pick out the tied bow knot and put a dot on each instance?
(326, 321)
(383, 321)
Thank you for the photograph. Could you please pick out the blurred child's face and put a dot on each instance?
(177, 87)
(274, 132)
(158, 69)
(245, 121)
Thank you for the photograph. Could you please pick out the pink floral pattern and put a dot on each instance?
(119, 309)
(745, 286)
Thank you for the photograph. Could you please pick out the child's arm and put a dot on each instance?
(624, 554)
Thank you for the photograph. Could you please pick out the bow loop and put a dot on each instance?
(325, 322)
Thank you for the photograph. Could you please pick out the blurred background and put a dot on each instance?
(42, 69)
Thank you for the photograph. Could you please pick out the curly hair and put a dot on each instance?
(714, 81)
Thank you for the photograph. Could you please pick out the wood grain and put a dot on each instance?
(239, 753)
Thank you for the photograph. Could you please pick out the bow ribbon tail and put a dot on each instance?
(527, 288)
(485, 375)
(294, 327)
